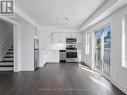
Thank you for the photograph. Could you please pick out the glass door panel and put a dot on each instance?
(98, 64)
(107, 49)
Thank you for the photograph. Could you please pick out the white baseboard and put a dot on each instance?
(88, 64)
(118, 85)
(121, 87)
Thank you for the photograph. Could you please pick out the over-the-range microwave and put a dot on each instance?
(71, 40)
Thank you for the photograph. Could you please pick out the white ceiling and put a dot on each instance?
(59, 12)
(17, 18)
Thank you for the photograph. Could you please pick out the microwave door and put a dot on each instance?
(70, 40)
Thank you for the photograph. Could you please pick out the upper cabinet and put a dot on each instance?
(60, 37)
(56, 38)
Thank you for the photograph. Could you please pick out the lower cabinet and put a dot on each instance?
(52, 56)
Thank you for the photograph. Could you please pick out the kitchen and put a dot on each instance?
(65, 47)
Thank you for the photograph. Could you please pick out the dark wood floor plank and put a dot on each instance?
(56, 79)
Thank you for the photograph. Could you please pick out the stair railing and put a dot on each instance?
(5, 43)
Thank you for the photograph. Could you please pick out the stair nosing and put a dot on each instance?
(8, 57)
(9, 53)
(6, 61)
(6, 66)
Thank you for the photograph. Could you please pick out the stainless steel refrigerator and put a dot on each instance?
(36, 53)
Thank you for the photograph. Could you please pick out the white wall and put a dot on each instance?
(88, 57)
(6, 37)
(23, 46)
(27, 33)
(107, 4)
(17, 40)
(118, 73)
(46, 43)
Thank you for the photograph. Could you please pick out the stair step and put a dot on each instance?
(9, 53)
(10, 49)
(7, 59)
(6, 63)
(8, 56)
(6, 68)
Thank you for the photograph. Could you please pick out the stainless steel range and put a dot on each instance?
(71, 53)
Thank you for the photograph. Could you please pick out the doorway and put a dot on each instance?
(103, 49)
(6, 46)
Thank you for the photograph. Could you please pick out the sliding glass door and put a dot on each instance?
(103, 49)
(98, 63)
(106, 49)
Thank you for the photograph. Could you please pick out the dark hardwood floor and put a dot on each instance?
(56, 79)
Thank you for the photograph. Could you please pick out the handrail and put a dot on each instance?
(4, 35)
(5, 38)
(5, 44)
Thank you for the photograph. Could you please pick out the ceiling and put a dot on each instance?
(17, 18)
(59, 12)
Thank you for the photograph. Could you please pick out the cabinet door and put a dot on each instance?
(68, 34)
(63, 37)
(79, 37)
(56, 38)
(73, 34)
(52, 56)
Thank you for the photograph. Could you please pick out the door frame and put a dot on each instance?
(94, 50)
(102, 47)
(16, 43)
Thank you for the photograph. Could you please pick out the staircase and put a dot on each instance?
(7, 62)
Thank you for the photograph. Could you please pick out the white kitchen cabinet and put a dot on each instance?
(52, 56)
(60, 37)
(79, 38)
(56, 38)
(63, 37)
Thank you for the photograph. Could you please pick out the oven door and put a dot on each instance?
(71, 54)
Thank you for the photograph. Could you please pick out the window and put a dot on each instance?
(87, 43)
(124, 41)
